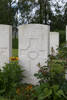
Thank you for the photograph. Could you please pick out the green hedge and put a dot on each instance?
(15, 43)
(62, 36)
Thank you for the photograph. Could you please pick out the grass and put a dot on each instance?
(14, 43)
(1, 98)
(15, 52)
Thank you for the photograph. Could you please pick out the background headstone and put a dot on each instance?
(54, 42)
(5, 44)
(33, 49)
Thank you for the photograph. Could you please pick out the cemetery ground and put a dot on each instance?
(54, 88)
(15, 52)
(52, 84)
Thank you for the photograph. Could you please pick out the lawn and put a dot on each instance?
(1, 98)
(15, 52)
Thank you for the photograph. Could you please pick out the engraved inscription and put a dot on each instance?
(33, 55)
(33, 49)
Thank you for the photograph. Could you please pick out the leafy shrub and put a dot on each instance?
(51, 80)
(15, 43)
(24, 92)
(10, 78)
(62, 36)
(53, 85)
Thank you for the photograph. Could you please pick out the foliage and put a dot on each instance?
(10, 78)
(62, 52)
(6, 12)
(24, 92)
(15, 43)
(2, 98)
(53, 85)
(43, 12)
(51, 80)
(58, 17)
(62, 36)
(65, 14)
(25, 7)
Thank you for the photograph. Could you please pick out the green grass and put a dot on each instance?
(15, 52)
(1, 98)
(62, 36)
(15, 43)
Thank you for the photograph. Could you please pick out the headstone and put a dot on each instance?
(33, 49)
(54, 43)
(5, 44)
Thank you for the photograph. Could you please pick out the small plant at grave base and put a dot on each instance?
(62, 57)
(50, 83)
(53, 85)
(14, 58)
(62, 52)
(11, 77)
(24, 92)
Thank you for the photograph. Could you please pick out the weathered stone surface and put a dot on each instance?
(5, 44)
(33, 49)
(54, 42)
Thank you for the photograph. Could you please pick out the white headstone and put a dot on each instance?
(5, 44)
(54, 42)
(66, 33)
(33, 49)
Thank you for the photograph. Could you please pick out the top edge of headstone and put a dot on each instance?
(33, 25)
(5, 25)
